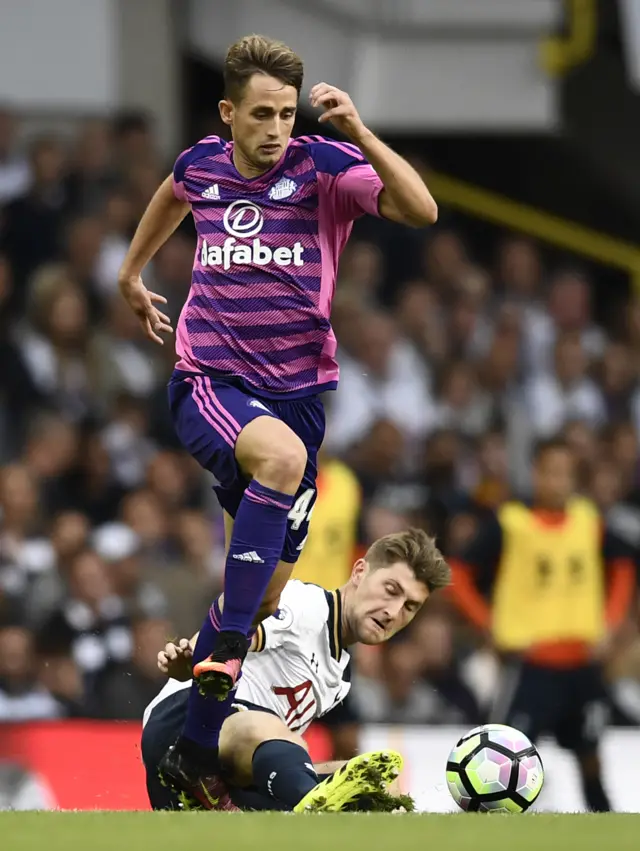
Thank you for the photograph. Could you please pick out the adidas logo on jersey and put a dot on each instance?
(284, 188)
(252, 557)
(253, 403)
(212, 193)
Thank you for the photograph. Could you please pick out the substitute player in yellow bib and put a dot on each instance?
(547, 584)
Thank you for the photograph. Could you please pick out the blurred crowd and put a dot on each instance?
(110, 538)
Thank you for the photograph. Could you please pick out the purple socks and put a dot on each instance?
(256, 547)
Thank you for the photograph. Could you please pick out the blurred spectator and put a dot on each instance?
(461, 404)
(192, 577)
(621, 442)
(117, 222)
(143, 178)
(92, 487)
(617, 381)
(519, 271)
(421, 319)
(566, 393)
(39, 211)
(362, 272)
(19, 397)
(145, 514)
(125, 441)
(492, 486)
(69, 537)
(124, 367)
(57, 348)
(125, 689)
(384, 379)
(398, 696)
(420, 681)
(456, 703)
(82, 244)
(91, 173)
(22, 697)
(167, 478)
(14, 168)
(568, 312)
(119, 547)
(468, 330)
(60, 674)
(93, 619)
(202, 551)
(133, 138)
(24, 555)
(581, 438)
(445, 262)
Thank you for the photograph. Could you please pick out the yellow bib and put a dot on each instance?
(550, 582)
(327, 557)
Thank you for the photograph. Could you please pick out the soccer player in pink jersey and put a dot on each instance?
(254, 342)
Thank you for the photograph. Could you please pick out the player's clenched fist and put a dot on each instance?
(339, 110)
(176, 660)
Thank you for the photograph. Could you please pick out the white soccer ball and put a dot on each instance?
(495, 768)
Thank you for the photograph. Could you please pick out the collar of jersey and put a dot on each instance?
(334, 623)
(259, 178)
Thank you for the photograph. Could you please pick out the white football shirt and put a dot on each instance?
(298, 667)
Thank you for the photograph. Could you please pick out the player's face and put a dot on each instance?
(262, 120)
(384, 601)
(554, 478)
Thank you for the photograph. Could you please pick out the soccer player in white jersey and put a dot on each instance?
(294, 675)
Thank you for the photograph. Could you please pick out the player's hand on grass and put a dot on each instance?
(142, 301)
(176, 660)
(339, 110)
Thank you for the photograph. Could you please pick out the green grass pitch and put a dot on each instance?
(256, 831)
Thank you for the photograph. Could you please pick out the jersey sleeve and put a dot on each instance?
(301, 613)
(345, 179)
(179, 170)
(206, 148)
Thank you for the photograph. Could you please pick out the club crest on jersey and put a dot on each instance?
(284, 616)
(284, 188)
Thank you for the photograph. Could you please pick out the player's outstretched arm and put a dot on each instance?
(160, 219)
(405, 197)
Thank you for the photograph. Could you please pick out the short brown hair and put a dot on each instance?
(416, 549)
(258, 54)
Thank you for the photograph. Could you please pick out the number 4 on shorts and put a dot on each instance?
(301, 511)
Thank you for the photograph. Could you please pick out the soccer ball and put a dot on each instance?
(494, 768)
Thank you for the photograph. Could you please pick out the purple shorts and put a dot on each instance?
(209, 414)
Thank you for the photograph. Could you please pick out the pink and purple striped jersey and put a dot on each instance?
(266, 262)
